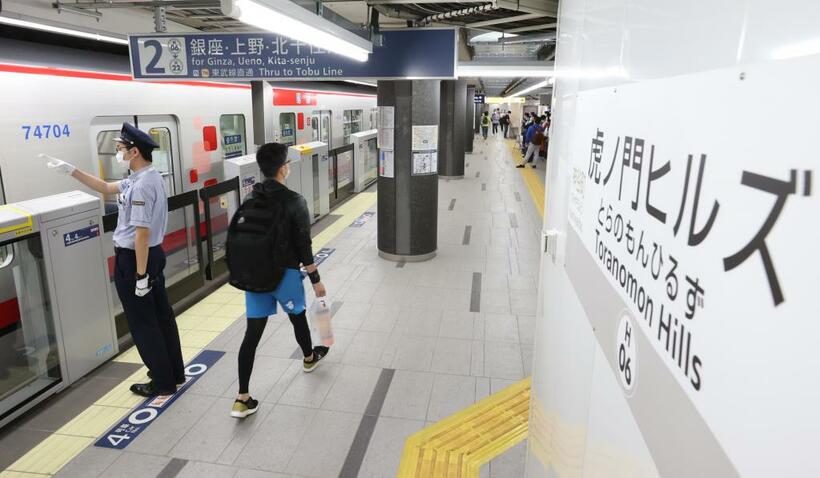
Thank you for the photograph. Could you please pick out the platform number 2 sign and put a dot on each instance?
(163, 56)
(627, 363)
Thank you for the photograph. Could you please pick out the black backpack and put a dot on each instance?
(257, 243)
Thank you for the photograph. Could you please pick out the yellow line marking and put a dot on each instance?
(350, 210)
(51, 454)
(21, 474)
(198, 326)
(94, 421)
(531, 179)
(458, 445)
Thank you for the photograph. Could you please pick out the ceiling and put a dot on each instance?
(526, 27)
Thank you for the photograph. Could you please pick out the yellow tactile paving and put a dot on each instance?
(534, 184)
(198, 325)
(121, 396)
(129, 356)
(94, 421)
(458, 445)
(350, 211)
(51, 454)
(20, 474)
(196, 338)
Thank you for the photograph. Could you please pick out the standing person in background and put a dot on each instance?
(534, 138)
(485, 124)
(496, 118)
(525, 123)
(505, 123)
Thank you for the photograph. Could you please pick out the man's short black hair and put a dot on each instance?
(270, 157)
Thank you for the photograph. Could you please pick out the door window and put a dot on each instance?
(352, 123)
(163, 162)
(232, 130)
(287, 128)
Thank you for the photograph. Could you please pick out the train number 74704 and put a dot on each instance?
(46, 131)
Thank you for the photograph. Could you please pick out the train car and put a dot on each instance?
(72, 106)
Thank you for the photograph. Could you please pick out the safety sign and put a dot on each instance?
(80, 235)
(130, 427)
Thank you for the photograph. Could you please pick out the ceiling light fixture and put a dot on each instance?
(286, 18)
(361, 83)
(63, 31)
(503, 71)
(531, 88)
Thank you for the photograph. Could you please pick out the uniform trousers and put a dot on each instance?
(150, 318)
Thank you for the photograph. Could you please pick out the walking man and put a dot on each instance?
(280, 216)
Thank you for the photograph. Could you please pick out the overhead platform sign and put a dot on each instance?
(417, 53)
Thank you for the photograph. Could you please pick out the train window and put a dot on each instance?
(287, 128)
(374, 118)
(352, 123)
(110, 169)
(232, 129)
(314, 125)
(6, 255)
(162, 157)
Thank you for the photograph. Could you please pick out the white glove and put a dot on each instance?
(58, 164)
(143, 286)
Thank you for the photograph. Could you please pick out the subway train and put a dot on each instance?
(72, 107)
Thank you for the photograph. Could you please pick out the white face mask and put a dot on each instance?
(121, 159)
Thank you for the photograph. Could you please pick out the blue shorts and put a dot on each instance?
(290, 294)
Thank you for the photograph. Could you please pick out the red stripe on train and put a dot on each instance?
(9, 313)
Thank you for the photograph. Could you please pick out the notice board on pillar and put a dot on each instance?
(419, 53)
(425, 149)
(695, 258)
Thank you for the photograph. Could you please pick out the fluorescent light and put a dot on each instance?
(502, 71)
(64, 31)
(360, 83)
(531, 88)
(279, 16)
(795, 50)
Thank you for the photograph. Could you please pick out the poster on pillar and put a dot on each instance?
(425, 162)
(419, 53)
(425, 138)
(386, 164)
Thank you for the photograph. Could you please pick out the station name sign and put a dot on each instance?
(417, 53)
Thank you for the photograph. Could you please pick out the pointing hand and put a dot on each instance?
(58, 164)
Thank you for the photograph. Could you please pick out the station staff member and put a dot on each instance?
(140, 260)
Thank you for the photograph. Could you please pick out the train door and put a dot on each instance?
(321, 124)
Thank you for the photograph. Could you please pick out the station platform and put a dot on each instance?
(414, 344)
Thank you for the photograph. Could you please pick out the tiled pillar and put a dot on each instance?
(451, 129)
(408, 202)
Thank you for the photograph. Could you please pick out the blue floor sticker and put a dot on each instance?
(320, 257)
(362, 220)
(145, 413)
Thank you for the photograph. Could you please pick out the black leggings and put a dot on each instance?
(253, 333)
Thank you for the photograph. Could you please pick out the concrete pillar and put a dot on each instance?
(451, 129)
(263, 121)
(407, 202)
(469, 118)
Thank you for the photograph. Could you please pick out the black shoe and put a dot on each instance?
(179, 382)
(148, 390)
(242, 409)
(520, 166)
(319, 353)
